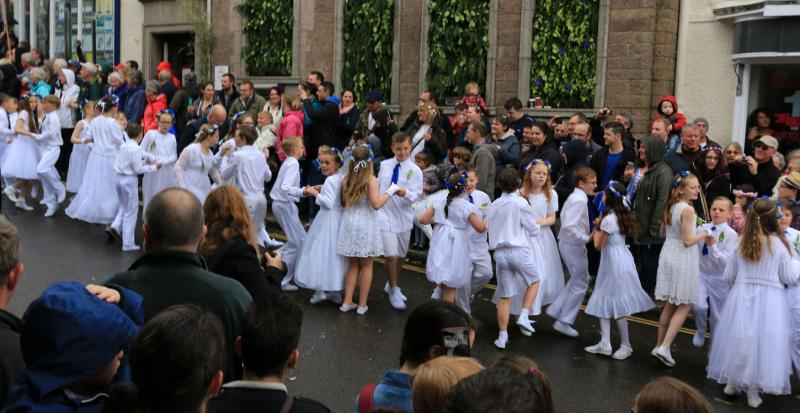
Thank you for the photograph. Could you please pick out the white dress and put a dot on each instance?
(319, 267)
(617, 290)
(78, 159)
(359, 234)
(193, 169)
(165, 149)
(97, 201)
(546, 252)
(678, 276)
(751, 347)
(449, 262)
(23, 155)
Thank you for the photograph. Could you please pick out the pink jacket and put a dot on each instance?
(291, 125)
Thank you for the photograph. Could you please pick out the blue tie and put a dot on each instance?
(471, 201)
(705, 246)
(396, 173)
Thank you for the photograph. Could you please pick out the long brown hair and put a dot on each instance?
(356, 183)
(614, 201)
(762, 221)
(679, 182)
(527, 186)
(531, 371)
(667, 394)
(33, 117)
(226, 217)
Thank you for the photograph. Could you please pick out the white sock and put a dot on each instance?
(503, 333)
(523, 313)
(622, 326)
(605, 331)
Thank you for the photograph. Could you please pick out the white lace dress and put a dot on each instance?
(165, 148)
(193, 169)
(678, 277)
(358, 232)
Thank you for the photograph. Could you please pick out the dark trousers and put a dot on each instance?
(66, 149)
(647, 257)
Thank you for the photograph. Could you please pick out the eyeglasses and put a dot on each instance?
(761, 146)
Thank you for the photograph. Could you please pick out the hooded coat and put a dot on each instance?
(168, 67)
(574, 156)
(677, 118)
(651, 195)
(154, 105)
(67, 93)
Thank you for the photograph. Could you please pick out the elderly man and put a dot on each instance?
(758, 170)
(90, 89)
(702, 123)
(216, 116)
(168, 87)
(171, 272)
(11, 363)
(682, 158)
(249, 101)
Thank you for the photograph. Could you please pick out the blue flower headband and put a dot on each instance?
(677, 181)
(778, 205)
(460, 186)
(537, 161)
(162, 112)
(210, 130)
(32, 94)
(83, 102)
(613, 190)
(337, 153)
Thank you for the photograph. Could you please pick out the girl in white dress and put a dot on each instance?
(792, 291)
(319, 267)
(197, 163)
(751, 350)
(163, 145)
(617, 290)
(97, 200)
(23, 154)
(80, 147)
(8, 124)
(678, 277)
(449, 263)
(359, 239)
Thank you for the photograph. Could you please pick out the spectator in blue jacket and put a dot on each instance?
(134, 106)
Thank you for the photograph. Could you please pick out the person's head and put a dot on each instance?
(401, 146)
(670, 395)
(759, 118)
(789, 187)
(733, 152)
(690, 137)
(10, 266)
(779, 160)
(348, 97)
(661, 128)
(246, 89)
(792, 165)
(107, 105)
(702, 125)
(38, 75)
(720, 210)
(508, 181)
(274, 95)
(423, 337)
(762, 221)
(356, 181)
(711, 161)
(164, 77)
(461, 109)
(271, 337)
(434, 379)
(177, 363)
(576, 119)
(226, 216)
(474, 114)
(11, 104)
(165, 119)
(499, 389)
(329, 161)
(614, 200)
(135, 78)
(786, 215)
(499, 126)
(764, 148)
(325, 90)
(686, 188)
(472, 179)
(666, 108)
(612, 135)
(135, 131)
(51, 103)
(207, 89)
(134, 65)
(246, 135)
(456, 185)
(427, 113)
(472, 89)
(217, 115)
(151, 89)
(537, 134)
(531, 371)
(115, 80)
(561, 130)
(264, 118)
(513, 108)
(476, 133)
(583, 132)
(423, 160)
(625, 119)
(293, 146)
(536, 179)
(227, 81)
(316, 77)
(461, 157)
(374, 100)
(309, 88)
(744, 195)
(585, 179)
(173, 221)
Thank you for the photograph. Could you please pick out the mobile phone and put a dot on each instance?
(455, 341)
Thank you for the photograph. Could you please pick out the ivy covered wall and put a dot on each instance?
(368, 31)
(564, 55)
(267, 28)
(458, 41)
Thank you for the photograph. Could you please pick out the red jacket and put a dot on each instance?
(291, 125)
(155, 105)
(677, 119)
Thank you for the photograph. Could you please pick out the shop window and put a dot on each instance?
(775, 91)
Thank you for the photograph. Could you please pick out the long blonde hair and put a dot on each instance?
(359, 170)
(527, 186)
(762, 221)
(679, 182)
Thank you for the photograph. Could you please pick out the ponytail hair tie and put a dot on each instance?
(532, 372)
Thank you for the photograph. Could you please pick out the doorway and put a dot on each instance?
(176, 48)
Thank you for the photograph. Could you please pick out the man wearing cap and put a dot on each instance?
(758, 170)
(376, 121)
(702, 123)
(90, 90)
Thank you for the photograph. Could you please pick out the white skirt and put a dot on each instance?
(319, 267)
(158, 181)
(448, 260)
(77, 166)
(97, 200)
(197, 183)
(21, 159)
(617, 289)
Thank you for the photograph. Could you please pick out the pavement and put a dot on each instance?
(342, 352)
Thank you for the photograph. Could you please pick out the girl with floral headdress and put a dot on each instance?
(163, 145)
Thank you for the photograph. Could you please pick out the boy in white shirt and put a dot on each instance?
(576, 231)
(397, 216)
(286, 192)
(249, 166)
(129, 164)
(50, 143)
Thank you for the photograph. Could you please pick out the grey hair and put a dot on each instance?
(9, 248)
(153, 86)
(689, 126)
(59, 63)
(26, 57)
(627, 119)
(39, 73)
(115, 75)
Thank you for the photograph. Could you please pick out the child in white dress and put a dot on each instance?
(8, 125)
(359, 235)
(449, 264)
(285, 193)
(617, 291)
(714, 257)
(792, 291)
(80, 147)
(23, 155)
(319, 267)
(97, 201)
(197, 163)
(163, 145)
(512, 223)
(482, 270)
(678, 277)
(751, 350)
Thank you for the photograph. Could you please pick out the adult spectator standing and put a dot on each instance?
(171, 272)
(292, 124)
(90, 90)
(134, 65)
(430, 98)
(317, 78)
(203, 103)
(702, 123)
(484, 157)
(327, 125)
(573, 156)
(184, 97)
(275, 105)
(11, 363)
(649, 200)
(575, 120)
(156, 102)
(349, 114)
(67, 93)
(474, 114)
(683, 157)
(517, 119)
(228, 94)
(712, 172)
(542, 146)
(507, 144)
(427, 135)
(216, 116)
(167, 66)
(168, 88)
(624, 119)
(609, 162)
(376, 121)
(39, 83)
(661, 128)
(118, 88)
(758, 170)
(249, 101)
(10, 83)
(583, 132)
(134, 108)
(560, 129)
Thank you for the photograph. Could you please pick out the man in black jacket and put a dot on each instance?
(376, 121)
(228, 94)
(758, 170)
(11, 363)
(216, 116)
(327, 124)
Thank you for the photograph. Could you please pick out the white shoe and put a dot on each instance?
(753, 399)
(599, 348)
(663, 354)
(396, 299)
(51, 210)
(730, 390)
(273, 243)
(525, 324)
(362, 310)
(565, 329)
(131, 248)
(62, 195)
(21, 204)
(653, 351)
(525, 332)
(318, 297)
(437, 293)
(699, 339)
(334, 297)
(346, 308)
(388, 290)
(623, 352)
(501, 341)
(10, 193)
(43, 201)
(288, 287)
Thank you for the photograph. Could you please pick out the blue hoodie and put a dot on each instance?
(67, 335)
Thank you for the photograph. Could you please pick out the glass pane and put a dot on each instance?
(775, 90)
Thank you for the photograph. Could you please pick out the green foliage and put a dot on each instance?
(564, 56)
(203, 37)
(368, 34)
(268, 30)
(458, 42)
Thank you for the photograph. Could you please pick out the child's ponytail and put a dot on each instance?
(455, 185)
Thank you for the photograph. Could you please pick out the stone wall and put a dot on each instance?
(507, 55)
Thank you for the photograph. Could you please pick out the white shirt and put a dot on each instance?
(250, 168)
(193, 160)
(721, 252)
(575, 218)
(482, 202)
(416, 145)
(511, 222)
(8, 123)
(397, 215)
(130, 160)
(287, 185)
(107, 135)
(793, 237)
(330, 197)
(49, 131)
(68, 93)
(163, 146)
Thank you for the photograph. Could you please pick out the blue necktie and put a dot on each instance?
(705, 246)
(396, 173)
(471, 201)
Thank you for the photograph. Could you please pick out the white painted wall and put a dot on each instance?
(132, 18)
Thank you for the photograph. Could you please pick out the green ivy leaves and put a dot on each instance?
(458, 43)
(564, 52)
(268, 30)
(368, 36)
